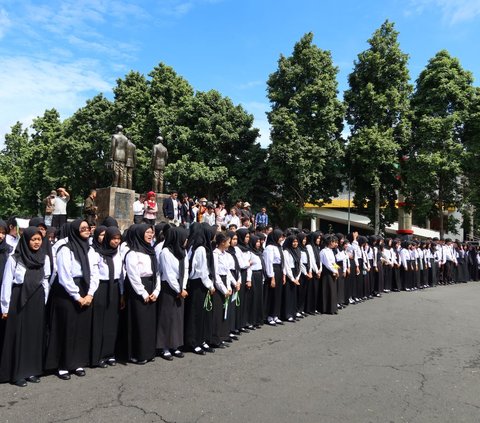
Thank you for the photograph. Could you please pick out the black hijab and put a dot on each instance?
(64, 230)
(5, 250)
(242, 234)
(257, 251)
(96, 245)
(136, 242)
(272, 239)
(303, 248)
(79, 247)
(34, 262)
(160, 232)
(46, 245)
(107, 253)
(231, 250)
(175, 239)
(312, 240)
(201, 235)
(110, 221)
(294, 252)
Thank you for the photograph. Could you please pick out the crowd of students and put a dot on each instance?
(79, 299)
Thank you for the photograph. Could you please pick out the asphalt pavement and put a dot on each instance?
(405, 357)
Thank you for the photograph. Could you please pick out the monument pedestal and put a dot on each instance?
(160, 199)
(117, 203)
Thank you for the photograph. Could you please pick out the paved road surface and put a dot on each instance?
(407, 357)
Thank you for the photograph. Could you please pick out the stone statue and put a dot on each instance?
(131, 163)
(159, 161)
(119, 158)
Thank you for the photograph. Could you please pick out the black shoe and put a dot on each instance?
(251, 327)
(244, 330)
(167, 357)
(234, 337)
(178, 354)
(258, 326)
(236, 332)
(64, 376)
(20, 383)
(229, 340)
(80, 372)
(208, 349)
(221, 346)
(33, 379)
(102, 365)
(278, 322)
(111, 362)
(199, 352)
(135, 361)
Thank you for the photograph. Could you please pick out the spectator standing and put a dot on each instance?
(220, 213)
(261, 218)
(139, 209)
(186, 213)
(232, 218)
(151, 208)
(171, 209)
(209, 217)
(60, 210)
(202, 209)
(49, 207)
(89, 208)
(13, 232)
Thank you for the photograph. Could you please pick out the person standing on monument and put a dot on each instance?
(159, 160)
(60, 210)
(89, 208)
(139, 209)
(171, 209)
(119, 158)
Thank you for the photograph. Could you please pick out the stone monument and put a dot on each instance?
(159, 161)
(117, 201)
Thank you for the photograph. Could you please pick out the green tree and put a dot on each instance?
(441, 104)
(378, 114)
(12, 165)
(306, 124)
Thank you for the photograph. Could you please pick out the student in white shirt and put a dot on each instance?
(173, 265)
(275, 271)
(223, 290)
(329, 276)
(200, 287)
(257, 270)
(245, 293)
(23, 296)
(142, 286)
(306, 276)
(312, 301)
(293, 270)
(109, 298)
(71, 312)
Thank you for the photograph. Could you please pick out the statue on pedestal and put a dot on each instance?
(159, 161)
(131, 163)
(119, 158)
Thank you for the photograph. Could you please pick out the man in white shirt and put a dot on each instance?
(60, 210)
(138, 209)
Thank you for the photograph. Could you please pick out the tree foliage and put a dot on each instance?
(378, 114)
(306, 117)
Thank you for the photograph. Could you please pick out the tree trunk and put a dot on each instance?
(442, 231)
(376, 186)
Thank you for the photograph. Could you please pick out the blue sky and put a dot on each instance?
(60, 53)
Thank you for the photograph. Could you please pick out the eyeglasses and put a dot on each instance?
(87, 229)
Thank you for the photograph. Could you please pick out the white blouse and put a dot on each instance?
(289, 266)
(328, 259)
(169, 270)
(139, 265)
(222, 268)
(271, 255)
(118, 269)
(14, 273)
(199, 269)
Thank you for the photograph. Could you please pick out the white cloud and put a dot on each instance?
(453, 11)
(30, 86)
(5, 23)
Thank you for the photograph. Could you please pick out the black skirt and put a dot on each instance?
(220, 328)
(170, 318)
(289, 300)
(198, 324)
(70, 330)
(302, 293)
(105, 318)
(141, 321)
(24, 337)
(245, 300)
(312, 294)
(329, 293)
(257, 303)
(275, 294)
